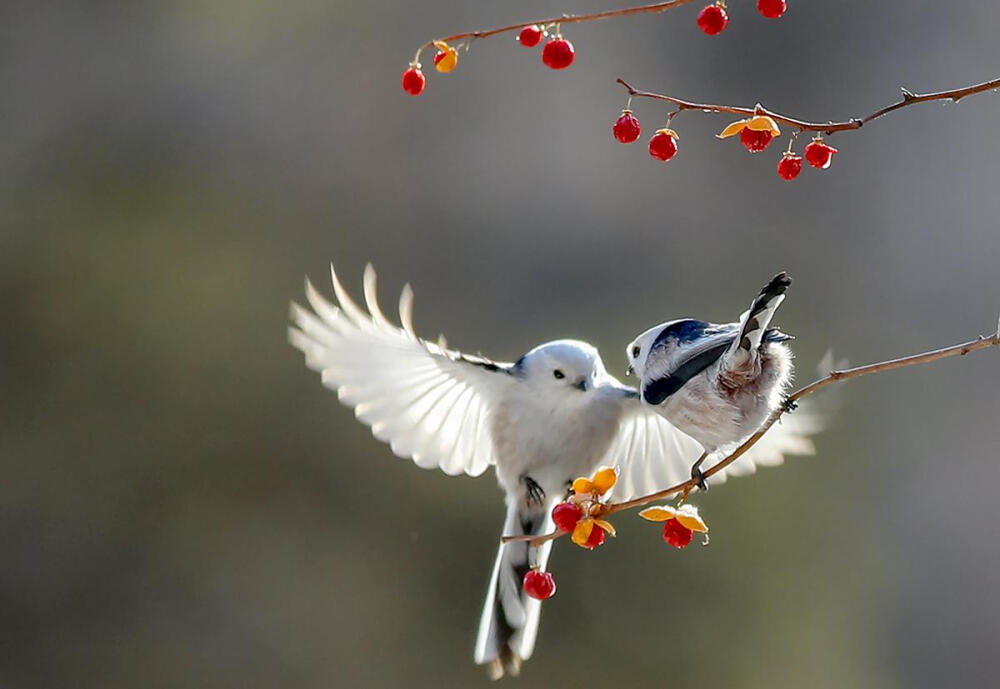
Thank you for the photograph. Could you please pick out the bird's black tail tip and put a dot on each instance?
(779, 283)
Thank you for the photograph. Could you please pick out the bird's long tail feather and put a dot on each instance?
(754, 321)
(509, 623)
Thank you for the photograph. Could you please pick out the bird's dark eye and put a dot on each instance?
(635, 352)
(559, 375)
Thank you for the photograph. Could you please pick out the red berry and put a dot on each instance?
(596, 538)
(790, 166)
(713, 20)
(819, 154)
(772, 9)
(566, 515)
(539, 585)
(414, 81)
(627, 129)
(676, 534)
(530, 36)
(558, 53)
(662, 146)
(755, 141)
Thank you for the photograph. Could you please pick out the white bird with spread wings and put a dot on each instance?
(551, 416)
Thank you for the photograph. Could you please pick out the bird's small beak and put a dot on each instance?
(629, 371)
(582, 385)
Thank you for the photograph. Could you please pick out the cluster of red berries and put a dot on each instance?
(565, 515)
(542, 585)
(713, 19)
(817, 153)
(558, 53)
(663, 143)
(678, 531)
(757, 133)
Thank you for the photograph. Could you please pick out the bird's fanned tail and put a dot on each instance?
(509, 624)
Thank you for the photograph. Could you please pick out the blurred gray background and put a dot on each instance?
(183, 504)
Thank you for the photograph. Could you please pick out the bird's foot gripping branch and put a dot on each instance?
(584, 515)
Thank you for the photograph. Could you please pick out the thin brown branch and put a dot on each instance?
(834, 376)
(908, 98)
(564, 19)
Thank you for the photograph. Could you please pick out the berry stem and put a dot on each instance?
(908, 98)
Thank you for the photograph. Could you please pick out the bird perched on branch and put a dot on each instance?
(551, 416)
(717, 383)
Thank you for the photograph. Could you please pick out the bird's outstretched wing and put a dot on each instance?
(429, 403)
(652, 455)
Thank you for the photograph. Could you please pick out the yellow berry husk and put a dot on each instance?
(692, 522)
(448, 62)
(689, 518)
(733, 129)
(581, 533)
(658, 514)
(606, 526)
(604, 480)
(762, 123)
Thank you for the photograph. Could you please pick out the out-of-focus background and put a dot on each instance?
(183, 504)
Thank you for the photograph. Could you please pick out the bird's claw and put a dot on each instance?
(699, 478)
(789, 405)
(535, 494)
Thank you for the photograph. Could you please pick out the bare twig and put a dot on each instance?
(908, 98)
(565, 19)
(685, 487)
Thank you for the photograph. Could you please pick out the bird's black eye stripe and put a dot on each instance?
(559, 375)
(635, 352)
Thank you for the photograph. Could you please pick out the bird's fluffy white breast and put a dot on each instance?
(715, 416)
(700, 411)
(553, 435)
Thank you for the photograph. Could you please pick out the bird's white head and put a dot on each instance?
(668, 339)
(638, 350)
(562, 364)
